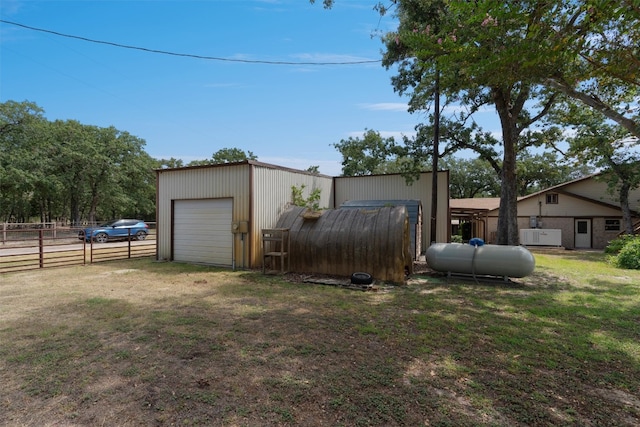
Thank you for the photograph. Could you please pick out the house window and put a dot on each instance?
(552, 199)
(612, 225)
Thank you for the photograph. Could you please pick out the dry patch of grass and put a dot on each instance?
(145, 343)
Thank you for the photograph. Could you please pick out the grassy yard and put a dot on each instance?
(133, 343)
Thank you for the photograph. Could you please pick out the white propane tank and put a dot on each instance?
(492, 260)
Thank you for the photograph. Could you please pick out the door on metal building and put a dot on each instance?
(202, 231)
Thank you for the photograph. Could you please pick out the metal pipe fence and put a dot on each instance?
(33, 249)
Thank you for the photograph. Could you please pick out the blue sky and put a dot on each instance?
(189, 108)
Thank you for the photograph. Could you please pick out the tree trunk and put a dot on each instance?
(508, 212)
(75, 210)
(93, 208)
(624, 206)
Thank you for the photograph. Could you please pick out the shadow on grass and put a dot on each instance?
(260, 351)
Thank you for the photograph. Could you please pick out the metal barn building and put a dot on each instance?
(394, 186)
(215, 214)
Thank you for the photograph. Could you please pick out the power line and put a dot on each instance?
(187, 55)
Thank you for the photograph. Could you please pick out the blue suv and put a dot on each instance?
(116, 230)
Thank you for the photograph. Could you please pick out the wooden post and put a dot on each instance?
(41, 246)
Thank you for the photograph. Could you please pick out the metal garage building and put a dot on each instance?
(215, 214)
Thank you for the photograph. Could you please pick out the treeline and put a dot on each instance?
(70, 172)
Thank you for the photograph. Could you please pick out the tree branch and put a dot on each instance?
(597, 104)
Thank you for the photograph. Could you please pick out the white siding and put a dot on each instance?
(568, 206)
(394, 187)
(596, 189)
(202, 231)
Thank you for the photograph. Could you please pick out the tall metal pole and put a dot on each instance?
(435, 155)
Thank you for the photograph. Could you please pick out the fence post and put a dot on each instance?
(129, 244)
(41, 246)
(4, 233)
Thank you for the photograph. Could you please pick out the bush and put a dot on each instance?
(629, 255)
(616, 245)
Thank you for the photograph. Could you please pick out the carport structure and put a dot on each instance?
(473, 212)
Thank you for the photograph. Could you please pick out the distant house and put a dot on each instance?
(583, 210)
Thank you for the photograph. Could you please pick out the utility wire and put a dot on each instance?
(188, 55)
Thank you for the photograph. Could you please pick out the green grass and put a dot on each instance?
(187, 345)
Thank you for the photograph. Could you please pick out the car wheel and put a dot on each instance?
(101, 238)
(361, 279)
(141, 235)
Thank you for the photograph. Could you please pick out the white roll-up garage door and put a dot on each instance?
(202, 231)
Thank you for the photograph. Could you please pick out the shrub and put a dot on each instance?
(629, 255)
(456, 238)
(616, 245)
(312, 202)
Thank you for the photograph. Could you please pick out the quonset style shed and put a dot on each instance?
(215, 214)
(414, 211)
(343, 241)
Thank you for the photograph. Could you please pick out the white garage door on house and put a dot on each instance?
(202, 231)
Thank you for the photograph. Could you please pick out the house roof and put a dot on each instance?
(559, 186)
(475, 206)
(563, 188)
(478, 203)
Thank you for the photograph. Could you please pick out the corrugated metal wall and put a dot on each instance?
(209, 182)
(272, 195)
(414, 210)
(261, 192)
(344, 241)
(376, 187)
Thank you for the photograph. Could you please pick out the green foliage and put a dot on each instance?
(311, 202)
(225, 155)
(470, 178)
(314, 169)
(540, 171)
(230, 155)
(607, 146)
(629, 255)
(616, 245)
(477, 54)
(168, 163)
(65, 170)
(371, 154)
